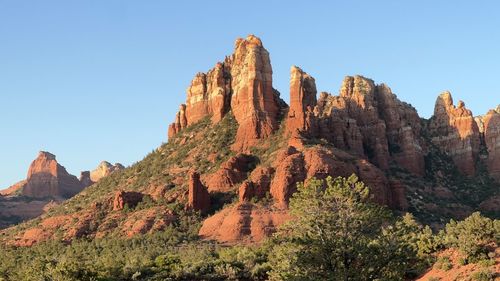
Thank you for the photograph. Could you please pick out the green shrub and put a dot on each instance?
(443, 263)
(472, 235)
(483, 275)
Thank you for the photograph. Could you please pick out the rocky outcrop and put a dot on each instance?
(46, 178)
(208, 95)
(489, 127)
(104, 169)
(126, 198)
(403, 131)
(85, 179)
(242, 84)
(232, 172)
(243, 223)
(289, 170)
(293, 166)
(198, 197)
(365, 119)
(454, 130)
(180, 122)
(148, 220)
(302, 102)
(254, 102)
(361, 105)
(258, 185)
(13, 189)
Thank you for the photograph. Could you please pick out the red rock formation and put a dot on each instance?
(179, 123)
(258, 185)
(198, 197)
(232, 172)
(289, 170)
(293, 167)
(104, 169)
(302, 103)
(490, 130)
(253, 102)
(246, 191)
(403, 131)
(129, 198)
(336, 125)
(454, 130)
(242, 223)
(398, 195)
(13, 189)
(261, 179)
(46, 178)
(144, 221)
(491, 204)
(85, 179)
(362, 106)
(366, 120)
(375, 179)
(208, 95)
(243, 84)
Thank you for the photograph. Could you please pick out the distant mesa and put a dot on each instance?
(47, 178)
(47, 183)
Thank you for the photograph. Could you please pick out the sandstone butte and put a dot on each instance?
(47, 184)
(367, 125)
(47, 178)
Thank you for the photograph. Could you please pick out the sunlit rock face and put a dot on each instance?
(46, 178)
(242, 84)
(489, 127)
(454, 130)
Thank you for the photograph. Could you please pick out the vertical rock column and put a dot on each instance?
(253, 101)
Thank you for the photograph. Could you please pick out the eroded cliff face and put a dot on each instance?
(365, 119)
(454, 130)
(241, 84)
(489, 128)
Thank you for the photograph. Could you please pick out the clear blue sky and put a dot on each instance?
(101, 80)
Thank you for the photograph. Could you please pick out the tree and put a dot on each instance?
(337, 234)
(472, 235)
